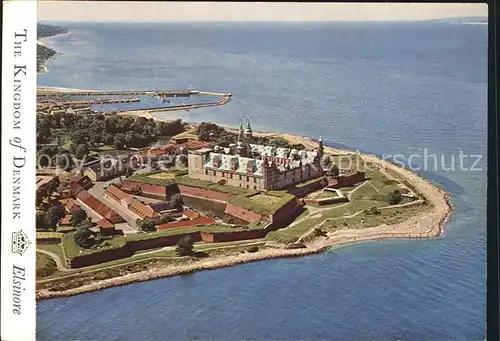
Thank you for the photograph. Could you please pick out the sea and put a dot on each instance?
(387, 88)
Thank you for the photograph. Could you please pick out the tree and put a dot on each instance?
(52, 217)
(185, 246)
(147, 225)
(165, 218)
(119, 141)
(54, 185)
(394, 197)
(81, 151)
(78, 217)
(40, 220)
(79, 137)
(175, 201)
(333, 171)
(83, 235)
(64, 161)
(108, 139)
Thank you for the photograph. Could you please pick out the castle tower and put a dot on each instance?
(248, 130)
(320, 146)
(240, 131)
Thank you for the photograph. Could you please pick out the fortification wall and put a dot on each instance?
(285, 214)
(204, 193)
(220, 237)
(242, 213)
(309, 188)
(188, 223)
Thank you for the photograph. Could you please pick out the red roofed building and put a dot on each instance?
(133, 205)
(96, 205)
(71, 206)
(66, 221)
(106, 228)
(191, 214)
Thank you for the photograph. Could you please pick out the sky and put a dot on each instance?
(143, 11)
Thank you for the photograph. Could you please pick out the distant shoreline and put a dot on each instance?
(424, 225)
(49, 52)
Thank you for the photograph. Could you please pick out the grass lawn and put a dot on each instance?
(366, 192)
(48, 235)
(291, 234)
(262, 204)
(386, 216)
(382, 182)
(322, 195)
(54, 248)
(308, 182)
(72, 249)
(45, 266)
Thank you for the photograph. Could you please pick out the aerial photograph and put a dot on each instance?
(261, 171)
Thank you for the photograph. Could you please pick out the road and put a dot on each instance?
(60, 265)
(98, 191)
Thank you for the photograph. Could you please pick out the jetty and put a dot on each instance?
(64, 99)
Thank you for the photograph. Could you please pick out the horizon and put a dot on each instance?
(173, 12)
(469, 18)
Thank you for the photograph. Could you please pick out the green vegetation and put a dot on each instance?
(98, 133)
(208, 131)
(72, 249)
(48, 235)
(146, 225)
(54, 248)
(83, 236)
(184, 246)
(44, 53)
(264, 203)
(78, 217)
(48, 220)
(45, 266)
(310, 181)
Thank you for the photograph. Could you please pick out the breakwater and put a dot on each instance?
(63, 98)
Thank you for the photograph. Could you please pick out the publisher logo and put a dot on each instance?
(20, 242)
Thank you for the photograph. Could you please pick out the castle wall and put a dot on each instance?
(346, 180)
(204, 193)
(309, 188)
(285, 214)
(220, 237)
(189, 223)
(242, 213)
(232, 179)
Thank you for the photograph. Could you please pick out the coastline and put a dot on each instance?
(42, 68)
(425, 225)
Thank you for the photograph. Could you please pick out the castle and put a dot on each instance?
(254, 166)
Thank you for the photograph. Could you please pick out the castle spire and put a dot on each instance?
(248, 130)
(320, 146)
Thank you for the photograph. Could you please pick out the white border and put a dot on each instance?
(18, 16)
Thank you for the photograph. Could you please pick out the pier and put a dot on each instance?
(63, 99)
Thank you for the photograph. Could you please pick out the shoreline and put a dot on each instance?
(424, 225)
(41, 42)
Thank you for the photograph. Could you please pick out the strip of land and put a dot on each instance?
(427, 223)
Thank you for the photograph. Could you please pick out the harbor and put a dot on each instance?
(62, 100)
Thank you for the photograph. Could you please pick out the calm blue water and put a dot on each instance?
(382, 88)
